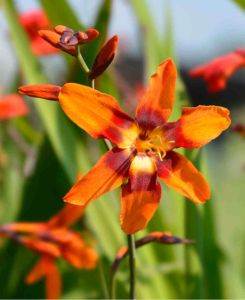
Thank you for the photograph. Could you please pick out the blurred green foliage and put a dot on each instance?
(61, 150)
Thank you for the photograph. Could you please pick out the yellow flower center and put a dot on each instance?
(154, 143)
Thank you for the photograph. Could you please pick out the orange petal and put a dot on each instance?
(98, 114)
(78, 254)
(156, 104)
(41, 247)
(140, 196)
(44, 91)
(178, 173)
(27, 227)
(87, 36)
(53, 280)
(11, 106)
(50, 36)
(109, 173)
(199, 125)
(46, 268)
(104, 57)
(37, 272)
(67, 216)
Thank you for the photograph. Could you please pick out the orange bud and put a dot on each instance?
(54, 39)
(104, 57)
(61, 29)
(44, 91)
(87, 36)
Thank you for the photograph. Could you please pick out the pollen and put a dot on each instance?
(154, 143)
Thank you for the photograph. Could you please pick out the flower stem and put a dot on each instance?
(113, 286)
(82, 61)
(93, 84)
(103, 280)
(131, 251)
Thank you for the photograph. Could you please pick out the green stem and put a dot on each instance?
(131, 251)
(103, 280)
(113, 286)
(93, 84)
(82, 61)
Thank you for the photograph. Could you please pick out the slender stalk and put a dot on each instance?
(93, 84)
(82, 61)
(113, 286)
(103, 280)
(131, 252)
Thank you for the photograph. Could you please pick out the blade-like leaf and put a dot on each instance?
(60, 133)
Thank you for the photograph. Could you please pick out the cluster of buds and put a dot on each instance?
(68, 40)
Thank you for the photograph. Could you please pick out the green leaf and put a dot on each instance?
(241, 3)
(56, 124)
(61, 13)
(203, 258)
(151, 41)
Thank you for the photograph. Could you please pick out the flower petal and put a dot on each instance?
(78, 254)
(53, 280)
(199, 125)
(109, 173)
(41, 247)
(140, 196)
(44, 91)
(27, 227)
(98, 114)
(156, 104)
(11, 106)
(178, 173)
(37, 272)
(47, 268)
(67, 216)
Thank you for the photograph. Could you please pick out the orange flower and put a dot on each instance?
(53, 240)
(66, 39)
(12, 106)
(219, 70)
(32, 21)
(143, 146)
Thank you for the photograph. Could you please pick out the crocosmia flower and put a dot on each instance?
(32, 21)
(219, 70)
(52, 240)
(11, 106)
(143, 147)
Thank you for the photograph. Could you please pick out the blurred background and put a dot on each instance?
(39, 169)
